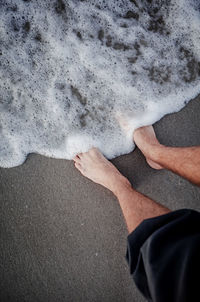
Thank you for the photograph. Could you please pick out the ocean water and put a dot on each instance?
(69, 69)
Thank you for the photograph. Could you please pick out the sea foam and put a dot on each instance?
(69, 69)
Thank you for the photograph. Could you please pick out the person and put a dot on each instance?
(163, 246)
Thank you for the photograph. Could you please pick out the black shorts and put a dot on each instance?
(164, 257)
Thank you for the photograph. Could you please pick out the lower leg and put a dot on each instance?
(135, 206)
(182, 161)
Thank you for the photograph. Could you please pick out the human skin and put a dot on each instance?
(135, 206)
(182, 161)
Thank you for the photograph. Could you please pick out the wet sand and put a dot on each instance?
(63, 238)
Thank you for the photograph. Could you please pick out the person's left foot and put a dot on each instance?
(96, 167)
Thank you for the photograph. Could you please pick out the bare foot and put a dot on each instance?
(145, 139)
(96, 167)
(154, 165)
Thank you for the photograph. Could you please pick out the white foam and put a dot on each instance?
(69, 68)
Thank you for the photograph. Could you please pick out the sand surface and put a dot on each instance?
(63, 238)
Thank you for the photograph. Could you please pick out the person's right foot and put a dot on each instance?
(145, 139)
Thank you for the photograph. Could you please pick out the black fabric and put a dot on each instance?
(164, 257)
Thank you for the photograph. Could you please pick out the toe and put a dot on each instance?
(76, 159)
(78, 166)
(80, 155)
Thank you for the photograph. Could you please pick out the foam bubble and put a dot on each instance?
(69, 68)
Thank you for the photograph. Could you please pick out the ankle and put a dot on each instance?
(121, 184)
(155, 151)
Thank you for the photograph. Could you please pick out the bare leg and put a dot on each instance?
(135, 206)
(182, 161)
